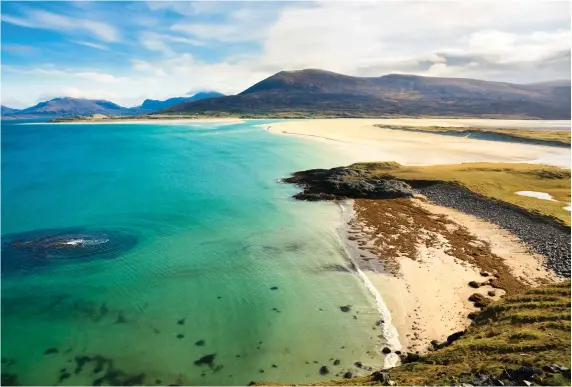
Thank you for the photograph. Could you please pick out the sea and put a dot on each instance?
(172, 254)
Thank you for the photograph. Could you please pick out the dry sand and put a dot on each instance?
(358, 140)
(427, 292)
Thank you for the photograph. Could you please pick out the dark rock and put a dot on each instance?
(274, 288)
(181, 321)
(51, 351)
(337, 362)
(474, 284)
(180, 336)
(323, 184)
(261, 371)
(201, 343)
(206, 360)
(386, 350)
(379, 322)
(324, 370)
(345, 308)
(409, 357)
(347, 375)
(380, 376)
(484, 274)
(274, 366)
(491, 293)
(398, 353)
(358, 364)
(455, 336)
(64, 376)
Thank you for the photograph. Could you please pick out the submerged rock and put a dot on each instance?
(206, 360)
(345, 308)
(324, 370)
(43, 248)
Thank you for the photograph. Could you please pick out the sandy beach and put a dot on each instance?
(417, 269)
(419, 256)
(360, 141)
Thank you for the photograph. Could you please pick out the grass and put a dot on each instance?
(495, 180)
(556, 137)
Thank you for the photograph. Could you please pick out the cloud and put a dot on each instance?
(228, 46)
(37, 18)
(91, 44)
(162, 42)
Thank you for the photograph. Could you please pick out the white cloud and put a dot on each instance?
(50, 21)
(91, 44)
(523, 42)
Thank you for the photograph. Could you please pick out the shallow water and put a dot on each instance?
(206, 254)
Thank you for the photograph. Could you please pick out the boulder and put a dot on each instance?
(324, 370)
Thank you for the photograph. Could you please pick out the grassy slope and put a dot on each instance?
(548, 136)
(532, 329)
(496, 180)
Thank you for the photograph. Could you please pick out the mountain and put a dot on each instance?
(151, 105)
(69, 107)
(318, 92)
(4, 110)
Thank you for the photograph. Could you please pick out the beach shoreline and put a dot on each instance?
(360, 141)
(424, 292)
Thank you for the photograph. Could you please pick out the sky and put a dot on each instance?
(126, 52)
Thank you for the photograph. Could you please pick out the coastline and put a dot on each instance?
(425, 297)
(424, 292)
(358, 140)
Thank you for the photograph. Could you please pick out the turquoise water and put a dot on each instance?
(198, 232)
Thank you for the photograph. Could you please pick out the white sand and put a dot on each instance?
(428, 299)
(536, 194)
(358, 140)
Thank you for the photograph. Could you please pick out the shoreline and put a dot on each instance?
(358, 140)
(426, 297)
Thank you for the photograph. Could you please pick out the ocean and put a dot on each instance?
(171, 254)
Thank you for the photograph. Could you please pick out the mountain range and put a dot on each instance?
(319, 93)
(322, 93)
(69, 107)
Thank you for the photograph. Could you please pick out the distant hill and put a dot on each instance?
(324, 93)
(151, 105)
(69, 107)
(6, 110)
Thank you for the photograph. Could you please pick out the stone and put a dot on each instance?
(345, 308)
(386, 350)
(358, 364)
(50, 351)
(474, 284)
(380, 376)
(347, 375)
(206, 360)
(491, 293)
(200, 343)
(180, 336)
(324, 370)
(274, 288)
(455, 336)
(337, 362)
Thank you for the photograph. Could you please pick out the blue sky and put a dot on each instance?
(129, 51)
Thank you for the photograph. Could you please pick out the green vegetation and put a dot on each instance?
(549, 137)
(495, 180)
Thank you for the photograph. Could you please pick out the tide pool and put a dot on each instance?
(217, 277)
